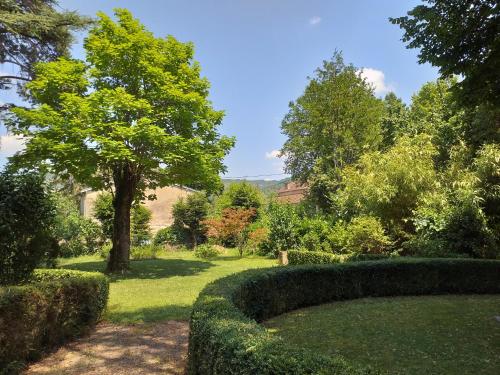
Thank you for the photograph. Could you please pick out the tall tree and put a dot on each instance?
(134, 116)
(330, 126)
(461, 37)
(32, 31)
(395, 120)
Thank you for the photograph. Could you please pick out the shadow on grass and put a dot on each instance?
(148, 269)
(149, 314)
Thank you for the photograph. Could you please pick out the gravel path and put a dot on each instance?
(159, 348)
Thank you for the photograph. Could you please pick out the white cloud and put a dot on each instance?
(273, 154)
(10, 144)
(377, 79)
(314, 20)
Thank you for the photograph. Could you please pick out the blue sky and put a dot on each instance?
(257, 55)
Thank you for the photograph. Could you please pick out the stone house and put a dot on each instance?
(292, 192)
(161, 207)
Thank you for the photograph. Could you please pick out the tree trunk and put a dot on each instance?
(125, 186)
(194, 240)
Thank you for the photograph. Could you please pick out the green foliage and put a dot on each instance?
(140, 252)
(435, 111)
(225, 337)
(140, 229)
(365, 235)
(283, 222)
(140, 219)
(109, 113)
(395, 120)
(438, 30)
(166, 236)
(78, 235)
(389, 185)
(34, 31)
(296, 257)
(104, 212)
(240, 195)
(315, 234)
(189, 214)
(206, 251)
(27, 216)
(57, 305)
(330, 126)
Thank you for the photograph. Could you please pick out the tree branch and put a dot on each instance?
(15, 77)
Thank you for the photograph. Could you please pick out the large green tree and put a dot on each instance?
(329, 126)
(461, 37)
(134, 115)
(32, 31)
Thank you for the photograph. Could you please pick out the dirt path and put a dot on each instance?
(159, 348)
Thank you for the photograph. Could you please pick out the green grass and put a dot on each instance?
(404, 335)
(163, 288)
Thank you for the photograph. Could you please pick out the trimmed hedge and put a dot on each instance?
(226, 339)
(296, 257)
(55, 306)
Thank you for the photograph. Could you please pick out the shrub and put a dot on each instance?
(189, 214)
(27, 215)
(206, 251)
(226, 339)
(283, 223)
(315, 234)
(365, 235)
(55, 306)
(144, 252)
(140, 231)
(231, 227)
(296, 257)
(312, 257)
(240, 195)
(140, 217)
(256, 238)
(77, 235)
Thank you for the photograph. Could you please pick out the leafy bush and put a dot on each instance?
(312, 257)
(225, 338)
(144, 252)
(365, 235)
(77, 235)
(315, 234)
(231, 227)
(140, 231)
(189, 214)
(240, 195)
(206, 251)
(256, 238)
(27, 215)
(140, 217)
(296, 257)
(283, 223)
(55, 306)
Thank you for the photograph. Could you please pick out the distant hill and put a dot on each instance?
(267, 186)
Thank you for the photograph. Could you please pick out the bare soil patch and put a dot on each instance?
(159, 348)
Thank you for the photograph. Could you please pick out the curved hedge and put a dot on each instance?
(226, 339)
(296, 257)
(55, 306)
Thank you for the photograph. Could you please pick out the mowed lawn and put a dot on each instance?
(163, 288)
(403, 335)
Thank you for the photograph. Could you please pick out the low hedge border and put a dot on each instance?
(296, 257)
(55, 306)
(225, 337)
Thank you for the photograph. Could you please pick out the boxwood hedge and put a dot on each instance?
(296, 257)
(56, 305)
(225, 336)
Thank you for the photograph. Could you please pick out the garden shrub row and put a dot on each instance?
(225, 337)
(296, 257)
(55, 306)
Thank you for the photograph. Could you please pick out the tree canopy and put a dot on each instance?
(134, 115)
(461, 38)
(32, 31)
(330, 126)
